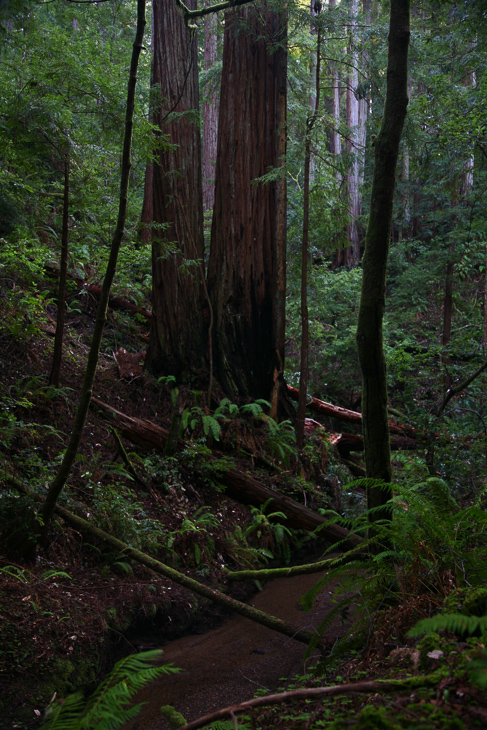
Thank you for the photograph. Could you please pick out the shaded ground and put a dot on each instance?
(229, 664)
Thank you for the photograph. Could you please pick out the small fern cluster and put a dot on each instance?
(405, 569)
(108, 708)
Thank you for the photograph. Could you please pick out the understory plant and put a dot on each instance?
(109, 707)
(405, 570)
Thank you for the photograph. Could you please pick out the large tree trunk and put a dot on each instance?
(178, 341)
(210, 116)
(372, 300)
(246, 267)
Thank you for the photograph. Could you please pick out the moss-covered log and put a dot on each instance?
(254, 614)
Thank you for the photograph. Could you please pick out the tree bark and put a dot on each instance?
(63, 274)
(246, 266)
(372, 300)
(210, 116)
(303, 370)
(87, 388)
(178, 338)
(352, 252)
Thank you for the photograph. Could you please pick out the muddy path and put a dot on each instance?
(229, 664)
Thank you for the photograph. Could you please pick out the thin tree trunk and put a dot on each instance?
(352, 252)
(372, 300)
(101, 313)
(61, 297)
(178, 340)
(246, 266)
(303, 374)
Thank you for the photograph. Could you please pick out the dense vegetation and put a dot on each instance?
(75, 600)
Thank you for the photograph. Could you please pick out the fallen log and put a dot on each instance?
(244, 609)
(343, 414)
(94, 290)
(241, 487)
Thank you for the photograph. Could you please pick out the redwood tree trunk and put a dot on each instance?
(372, 301)
(178, 342)
(246, 267)
(210, 116)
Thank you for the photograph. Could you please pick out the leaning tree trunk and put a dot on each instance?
(246, 268)
(101, 313)
(372, 300)
(178, 341)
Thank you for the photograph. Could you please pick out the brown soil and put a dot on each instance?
(230, 663)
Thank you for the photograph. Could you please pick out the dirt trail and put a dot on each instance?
(227, 665)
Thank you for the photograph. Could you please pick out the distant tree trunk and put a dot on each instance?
(61, 297)
(303, 374)
(210, 117)
(246, 271)
(372, 300)
(352, 251)
(178, 342)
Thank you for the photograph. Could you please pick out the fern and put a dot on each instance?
(456, 623)
(108, 707)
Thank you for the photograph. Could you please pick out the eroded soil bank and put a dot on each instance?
(229, 664)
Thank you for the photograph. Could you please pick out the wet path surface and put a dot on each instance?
(229, 664)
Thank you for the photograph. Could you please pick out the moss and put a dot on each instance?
(174, 718)
(475, 602)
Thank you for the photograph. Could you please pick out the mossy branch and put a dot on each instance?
(378, 686)
(307, 569)
(191, 15)
(254, 614)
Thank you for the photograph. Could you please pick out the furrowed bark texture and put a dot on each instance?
(210, 116)
(178, 343)
(372, 301)
(246, 270)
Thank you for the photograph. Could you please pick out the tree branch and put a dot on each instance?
(391, 685)
(190, 15)
(451, 392)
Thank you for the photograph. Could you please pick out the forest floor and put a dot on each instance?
(75, 607)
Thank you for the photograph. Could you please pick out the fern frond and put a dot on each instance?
(107, 708)
(326, 623)
(456, 623)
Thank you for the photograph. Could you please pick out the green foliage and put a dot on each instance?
(108, 708)
(456, 623)
(194, 534)
(426, 548)
(118, 508)
(269, 533)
